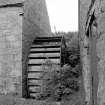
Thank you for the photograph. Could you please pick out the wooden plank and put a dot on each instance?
(45, 49)
(35, 82)
(41, 61)
(44, 55)
(35, 71)
(57, 57)
(57, 51)
(47, 43)
(47, 37)
(30, 79)
(34, 95)
(34, 75)
(45, 46)
(34, 89)
(34, 85)
(30, 65)
(35, 68)
(48, 40)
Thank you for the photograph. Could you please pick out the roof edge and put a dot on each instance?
(12, 5)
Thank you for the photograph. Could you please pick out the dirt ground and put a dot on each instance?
(10, 100)
(13, 100)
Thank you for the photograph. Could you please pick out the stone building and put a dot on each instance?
(16, 34)
(92, 38)
(10, 44)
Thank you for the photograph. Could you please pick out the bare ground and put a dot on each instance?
(10, 100)
(13, 100)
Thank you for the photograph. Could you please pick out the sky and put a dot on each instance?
(63, 15)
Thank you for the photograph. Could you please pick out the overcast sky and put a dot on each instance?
(63, 15)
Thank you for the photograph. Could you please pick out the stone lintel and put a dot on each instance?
(12, 5)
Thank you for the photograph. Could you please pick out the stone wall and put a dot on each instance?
(92, 32)
(100, 50)
(10, 46)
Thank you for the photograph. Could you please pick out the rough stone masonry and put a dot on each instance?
(10, 45)
(92, 38)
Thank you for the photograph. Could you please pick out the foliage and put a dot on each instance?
(73, 50)
(59, 83)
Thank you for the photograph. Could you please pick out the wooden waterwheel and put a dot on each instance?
(42, 48)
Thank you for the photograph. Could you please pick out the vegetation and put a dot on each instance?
(60, 83)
